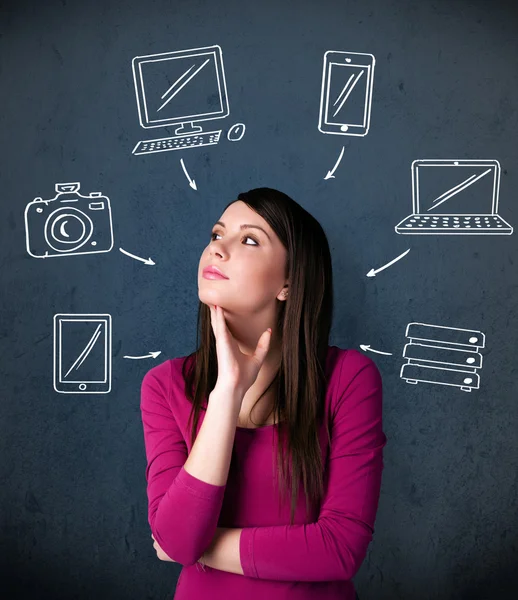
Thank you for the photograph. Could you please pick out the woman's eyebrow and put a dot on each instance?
(245, 226)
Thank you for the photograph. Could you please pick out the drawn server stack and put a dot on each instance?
(443, 355)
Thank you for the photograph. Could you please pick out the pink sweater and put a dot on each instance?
(313, 559)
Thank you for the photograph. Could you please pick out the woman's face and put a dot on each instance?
(253, 260)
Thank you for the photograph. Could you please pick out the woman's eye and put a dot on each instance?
(243, 238)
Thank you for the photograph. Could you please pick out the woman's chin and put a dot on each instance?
(210, 299)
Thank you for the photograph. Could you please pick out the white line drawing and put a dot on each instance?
(330, 173)
(192, 183)
(366, 347)
(467, 192)
(346, 93)
(236, 132)
(82, 353)
(180, 88)
(443, 356)
(146, 261)
(374, 272)
(150, 355)
(68, 224)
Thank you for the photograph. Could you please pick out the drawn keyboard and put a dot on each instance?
(477, 223)
(177, 142)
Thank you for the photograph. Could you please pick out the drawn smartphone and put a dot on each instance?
(346, 95)
(82, 353)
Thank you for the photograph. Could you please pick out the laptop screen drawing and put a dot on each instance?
(455, 188)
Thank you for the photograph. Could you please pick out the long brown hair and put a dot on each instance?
(303, 322)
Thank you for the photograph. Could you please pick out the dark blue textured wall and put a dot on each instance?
(73, 509)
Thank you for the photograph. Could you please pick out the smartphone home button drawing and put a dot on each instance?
(82, 353)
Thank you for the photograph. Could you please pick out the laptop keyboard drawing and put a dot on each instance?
(455, 197)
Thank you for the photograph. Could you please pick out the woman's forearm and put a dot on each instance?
(209, 459)
(223, 552)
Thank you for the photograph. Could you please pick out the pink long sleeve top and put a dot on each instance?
(317, 557)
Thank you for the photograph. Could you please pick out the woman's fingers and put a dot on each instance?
(263, 346)
(222, 326)
(213, 319)
(233, 364)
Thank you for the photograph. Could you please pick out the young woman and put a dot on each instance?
(264, 383)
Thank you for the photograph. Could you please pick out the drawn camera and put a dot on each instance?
(69, 223)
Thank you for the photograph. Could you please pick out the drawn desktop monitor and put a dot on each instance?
(455, 197)
(180, 88)
(82, 353)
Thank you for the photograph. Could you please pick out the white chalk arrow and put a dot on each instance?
(365, 348)
(192, 183)
(150, 355)
(330, 173)
(146, 261)
(373, 272)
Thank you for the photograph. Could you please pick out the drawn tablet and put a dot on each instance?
(82, 353)
(346, 95)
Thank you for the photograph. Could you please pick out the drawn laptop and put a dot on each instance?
(453, 197)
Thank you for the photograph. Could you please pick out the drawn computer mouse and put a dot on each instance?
(236, 132)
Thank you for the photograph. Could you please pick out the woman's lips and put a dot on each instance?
(212, 275)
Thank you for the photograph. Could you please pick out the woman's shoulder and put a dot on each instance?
(353, 357)
(165, 381)
(161, 370)
(352, 362)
